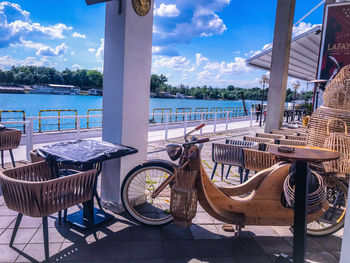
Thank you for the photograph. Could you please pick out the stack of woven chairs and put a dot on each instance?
(336, 106)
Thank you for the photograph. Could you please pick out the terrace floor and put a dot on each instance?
(122, 240)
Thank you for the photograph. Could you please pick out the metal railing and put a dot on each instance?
(88, 120)
(211, 124)
(58, 119)
(10, 118)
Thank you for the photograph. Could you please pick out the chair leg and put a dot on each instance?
(98, 199)
(18, 221)
(59, 217)
(12, 159)
(222, 171)
(65, 215)
(228, 171)
(2, 160)
(240, 171)
(46, 239)
(90, 216)
(213, 173)
(246, 175)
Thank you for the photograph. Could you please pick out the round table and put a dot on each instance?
(301, 156)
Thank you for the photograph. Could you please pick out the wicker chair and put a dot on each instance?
(256, 161)
(295, 137)
(243, 144)
(269, 135)
(290, 142)
(260, 140)
(285, 132)
(230, 154)
(9, 140)
(30, 190)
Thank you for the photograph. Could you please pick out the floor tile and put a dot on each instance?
(5, 221)
(146, 249)
(36, 252)
(219, 260)
(183, 260)
(273, 245)
(172, 232)
(205, 232)
(8, 254)
(23, 236)
(212, 248)
(143, 233)
(180, 249)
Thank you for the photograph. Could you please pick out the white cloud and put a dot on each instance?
(166, 11)
(30, 44)
(197, 18)
(48, 51)
(200, 59)
(164, 51)
(302, 27)
(76, 66)
(178, 63)
(7, 62)
(72, 53)
(237, 66)
(92, 50)
(15, 26)
(78, 35)
(100, 50)
(43, 50)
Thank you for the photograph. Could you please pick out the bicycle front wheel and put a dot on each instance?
(137, 190)
(333, 219)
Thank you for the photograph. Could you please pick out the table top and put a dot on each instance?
(307, 154)
(82, 152)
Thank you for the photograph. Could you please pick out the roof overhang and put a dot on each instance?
(303, 59)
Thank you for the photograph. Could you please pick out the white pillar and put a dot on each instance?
(279, 63)
(345, 252)
(126, 87)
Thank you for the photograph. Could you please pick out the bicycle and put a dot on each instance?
(146, 194)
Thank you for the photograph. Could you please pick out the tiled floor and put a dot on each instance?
(122, 240)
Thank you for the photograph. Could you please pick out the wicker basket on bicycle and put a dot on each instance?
(340, 142)
(183, 200)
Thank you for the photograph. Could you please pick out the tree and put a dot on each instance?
(157, 82)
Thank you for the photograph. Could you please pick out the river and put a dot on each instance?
(31, 104)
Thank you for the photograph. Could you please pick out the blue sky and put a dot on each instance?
(195, 42)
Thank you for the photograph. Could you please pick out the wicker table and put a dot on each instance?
(84, 155)
(302, 155)
(9, 140)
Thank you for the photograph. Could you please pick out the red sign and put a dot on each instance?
(335, 46)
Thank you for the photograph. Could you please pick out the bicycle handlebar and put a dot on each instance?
(203, 140)
(194, 130)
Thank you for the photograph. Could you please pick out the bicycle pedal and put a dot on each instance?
(228, 228)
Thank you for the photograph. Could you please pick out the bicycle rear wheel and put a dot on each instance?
(333, 219)
(137, 190)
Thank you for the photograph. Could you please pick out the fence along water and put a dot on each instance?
(67, 119)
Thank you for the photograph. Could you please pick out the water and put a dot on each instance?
(31, 104)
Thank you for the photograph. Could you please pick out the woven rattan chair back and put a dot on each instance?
(30, 189)
(285, 132)
(290, 142)
(227, 154)
(255, 160)
(296, 137)
(269, 135)
(9, 139)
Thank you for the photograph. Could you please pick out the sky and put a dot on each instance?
(197, 42)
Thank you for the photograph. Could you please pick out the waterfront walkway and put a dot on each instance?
(122, 240)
